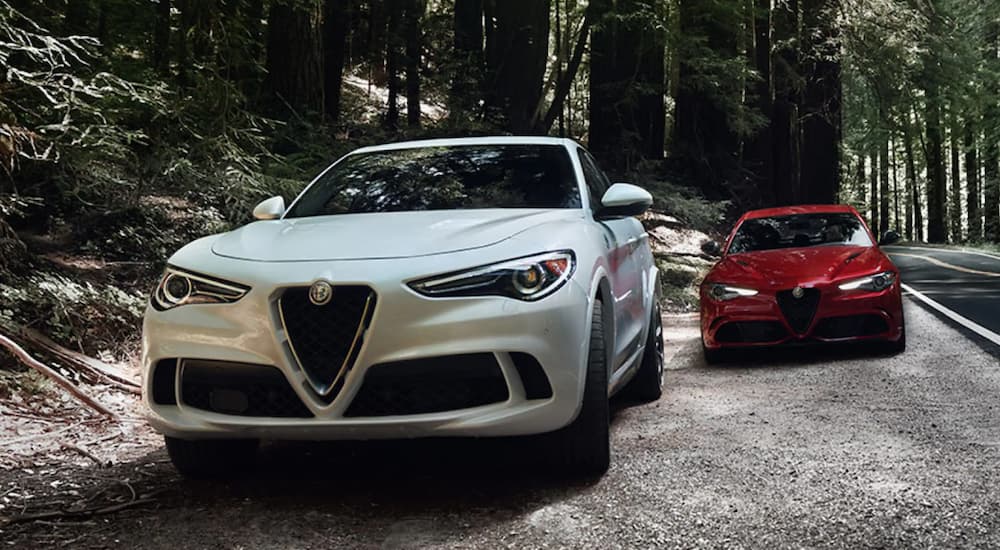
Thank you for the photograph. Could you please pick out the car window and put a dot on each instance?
(597, 182)
(800, 230)
(444, 178)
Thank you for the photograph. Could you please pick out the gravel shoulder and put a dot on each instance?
(808, 448)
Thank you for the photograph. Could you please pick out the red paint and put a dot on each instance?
(821, 267)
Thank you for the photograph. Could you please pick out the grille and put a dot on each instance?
(165, 382)
(239, 389)
(430, 385)
(536, 384)
(852, 326)
(799, 312)
(326, 339)
(751, 332)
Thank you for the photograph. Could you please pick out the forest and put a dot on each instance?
(111, 111)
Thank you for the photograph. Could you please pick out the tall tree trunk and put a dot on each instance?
(821, 102)
(955, 192)
(377, 40)
(757, 153)
(467, 81)
(413, 14)
(295, 56)
(161, 37)
(565, 81)
(394, 54)
(883, 225)
(517, 61)
(874, 222)
(912, 186)
(897, 219)
(785, 122)
(991, 142)
(648, 116)
(703, 137)
(336, 24)
(973, 211)
(936, 192)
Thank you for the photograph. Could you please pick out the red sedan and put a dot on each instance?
(801, 274)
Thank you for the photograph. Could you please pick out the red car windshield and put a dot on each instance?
(798, 231)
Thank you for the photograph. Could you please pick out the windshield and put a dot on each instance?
(800, 230)
(444, 178)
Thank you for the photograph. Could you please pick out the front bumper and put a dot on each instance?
(405, 327)
(841, 316)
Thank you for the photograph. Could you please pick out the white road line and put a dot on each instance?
(952, 250)
(965, 322)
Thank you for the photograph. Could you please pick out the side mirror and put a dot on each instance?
(890, 237)
(624, 199)
(271, 209)
(711, 248)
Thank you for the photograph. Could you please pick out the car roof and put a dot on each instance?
(453, 142)
(800, 209)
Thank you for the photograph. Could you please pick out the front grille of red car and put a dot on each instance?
(751, 332)
(326, 339)
(852, 326)
(799, 312)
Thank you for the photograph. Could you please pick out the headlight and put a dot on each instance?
(876, 282)
(529, 278)
(723, 292)
(178, 288)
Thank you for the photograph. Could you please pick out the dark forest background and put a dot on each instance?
(114, 114)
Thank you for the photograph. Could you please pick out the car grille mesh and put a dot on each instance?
(239, 389)
(325, 339)
(799, 312)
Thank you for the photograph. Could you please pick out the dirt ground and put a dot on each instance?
(813, 448)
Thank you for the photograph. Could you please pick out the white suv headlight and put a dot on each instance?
(875, 283)
(529, 278)
(178, 288)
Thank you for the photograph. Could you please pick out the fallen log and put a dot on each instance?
(59, 379)
(84, 362)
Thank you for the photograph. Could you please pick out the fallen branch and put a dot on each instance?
(59, 379)
(81, 451)
(86, 513)
(80, 361)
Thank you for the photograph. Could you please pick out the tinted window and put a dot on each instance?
(445, 178)
(597, 182)
(800, 230)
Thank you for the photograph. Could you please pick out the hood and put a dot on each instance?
(797, 266)
(380, 236)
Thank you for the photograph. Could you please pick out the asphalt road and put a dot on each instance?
(807, 448)
(966, 283)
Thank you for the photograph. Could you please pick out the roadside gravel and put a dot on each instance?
(803, 449)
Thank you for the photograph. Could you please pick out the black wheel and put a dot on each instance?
(584, 447)
(211, 457)
(714, 356)
(647, 384)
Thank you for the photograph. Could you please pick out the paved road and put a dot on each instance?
(850, 450)
(964, 282)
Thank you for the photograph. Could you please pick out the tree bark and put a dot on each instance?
(897, 218)
(785, 122)
(991, 143)
(913, 188)
(517, 62)
(936, 193)
(758, 158)
(955, 191)
(336, 24)
(295, 56)
(394, 56)
(413, 13)
(566, 79)
(467, 80)
(973, 210)
(822, 103)
(161, 37)
(883, 225)
(875, 222)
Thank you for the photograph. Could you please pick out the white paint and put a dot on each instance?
(965, 322)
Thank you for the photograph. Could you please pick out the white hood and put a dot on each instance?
(380, 236)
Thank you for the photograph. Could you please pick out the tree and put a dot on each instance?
(336, 26)
(294, 56)
(413, 11)
(991, 139)
(821, 104)
(467, 79)
(973, 211)
(785, 121)
(161, 37)
(516, 62)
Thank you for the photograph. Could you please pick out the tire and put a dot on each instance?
(647, 384)
(210, 458)
(583, 448)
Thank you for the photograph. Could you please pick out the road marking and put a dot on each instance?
(964, 321)
(951, 250)
(946, 265)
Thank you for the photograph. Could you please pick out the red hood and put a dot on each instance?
(791, 267)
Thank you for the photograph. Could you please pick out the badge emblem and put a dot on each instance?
(320, 293)
(798, 292)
